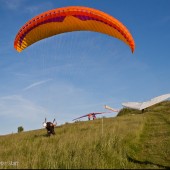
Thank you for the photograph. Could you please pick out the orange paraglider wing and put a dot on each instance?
(67, 19)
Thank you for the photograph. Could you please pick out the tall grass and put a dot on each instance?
(100, 144)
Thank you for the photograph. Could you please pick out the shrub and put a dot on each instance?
(20, 129)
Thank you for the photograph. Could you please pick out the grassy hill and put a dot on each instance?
(132, 140)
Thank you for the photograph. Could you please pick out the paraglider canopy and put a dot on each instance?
(67, 19)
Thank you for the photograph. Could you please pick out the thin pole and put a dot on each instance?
(102, 126)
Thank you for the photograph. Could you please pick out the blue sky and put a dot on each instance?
(76, 73)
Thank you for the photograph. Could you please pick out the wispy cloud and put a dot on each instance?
(18, 4)
(166, 19)
(15, 110)
(13, 5)
(19, 107)
(37, 8)
(36, 84)
(21, 75)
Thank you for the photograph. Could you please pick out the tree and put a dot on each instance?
(20, 129)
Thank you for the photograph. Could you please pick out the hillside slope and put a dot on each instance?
(134, 140)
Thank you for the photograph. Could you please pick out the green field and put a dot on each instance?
(132, 140)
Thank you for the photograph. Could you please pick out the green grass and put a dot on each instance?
(130, 141)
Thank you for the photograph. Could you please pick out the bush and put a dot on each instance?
(20, 129)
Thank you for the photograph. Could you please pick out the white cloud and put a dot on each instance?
(16, 110)
(36, 84)
(37, 8)
(13, 5)
(18, 107)
(166, 19)
(28, 8)
(21, 75)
